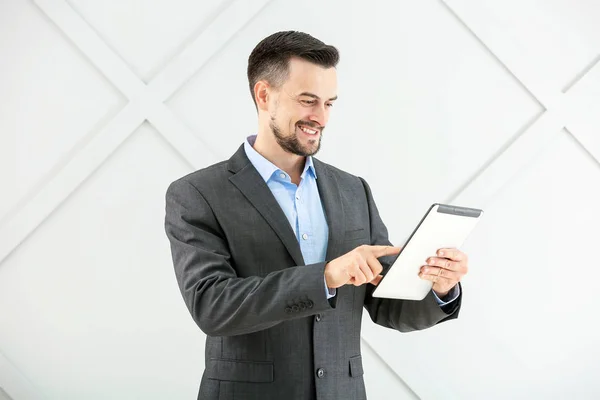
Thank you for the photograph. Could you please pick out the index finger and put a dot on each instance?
(450, 253)
(380, 251)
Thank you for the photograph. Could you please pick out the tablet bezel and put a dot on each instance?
(442, 208)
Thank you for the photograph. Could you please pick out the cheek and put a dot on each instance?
(294, 121)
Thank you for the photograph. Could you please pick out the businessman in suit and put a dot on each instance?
(276, 252)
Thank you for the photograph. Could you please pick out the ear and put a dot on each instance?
(261, 95)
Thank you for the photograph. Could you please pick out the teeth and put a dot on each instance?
(309, 131)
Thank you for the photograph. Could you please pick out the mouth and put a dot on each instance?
(314, 133)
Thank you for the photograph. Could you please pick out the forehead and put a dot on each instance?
(305, 76)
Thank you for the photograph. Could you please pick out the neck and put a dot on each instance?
(267, 146)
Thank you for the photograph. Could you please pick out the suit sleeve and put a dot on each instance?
(402, 315)
(220, 302)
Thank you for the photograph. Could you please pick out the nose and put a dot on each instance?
(319, 115)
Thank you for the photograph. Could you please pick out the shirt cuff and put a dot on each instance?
(453, 295)
(329, 292)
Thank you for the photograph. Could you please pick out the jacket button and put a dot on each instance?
(295, 308)
(320, 372)
(302, 305)
(309, 304)
(288, 310)
(318, 317)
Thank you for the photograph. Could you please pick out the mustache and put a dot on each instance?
(310, 124)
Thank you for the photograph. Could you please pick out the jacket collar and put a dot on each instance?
(247, 179)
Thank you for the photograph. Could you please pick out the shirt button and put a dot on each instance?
(282, 176)
(318, 317)
(320, 372)
(304, 236)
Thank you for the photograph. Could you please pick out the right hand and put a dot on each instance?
(358, 266)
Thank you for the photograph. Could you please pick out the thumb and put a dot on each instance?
(376, 280)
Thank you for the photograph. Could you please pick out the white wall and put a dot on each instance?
(491, 104)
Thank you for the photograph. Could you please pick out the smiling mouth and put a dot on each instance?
(307, 130)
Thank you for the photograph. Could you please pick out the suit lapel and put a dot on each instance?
(329, 191)
(247, 179)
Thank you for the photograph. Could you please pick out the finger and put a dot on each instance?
(377, 279)
(452, 254)
(365, 268)
(355, 282)
(374, 265)
(445, 263)
(380, 251)
(441, 282)
(358, 277)
(436, 271)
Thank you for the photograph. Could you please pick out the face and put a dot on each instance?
(299, 109)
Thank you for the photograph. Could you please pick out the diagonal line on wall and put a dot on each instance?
(516, 152)
(581, 74)
(559, 109)
(111, 65)
(180, 137)
(144, 103)
(463, 193)
(14, 383)
(387, 366)
(4, 395)
(511, 54)
(507, 162)
(515, 72)
(583, 148)
(583, 115)
(496, 174)
(147, 103)
(83, 163)
(212, 40)
(86, 39)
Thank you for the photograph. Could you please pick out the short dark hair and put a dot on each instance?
(270, 58)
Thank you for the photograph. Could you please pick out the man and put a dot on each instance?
(276, 253)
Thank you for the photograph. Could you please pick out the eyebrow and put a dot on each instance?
(314, 96)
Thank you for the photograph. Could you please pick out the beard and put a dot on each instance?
(291, 144)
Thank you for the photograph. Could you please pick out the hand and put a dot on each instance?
(358, 266)
(445, 270)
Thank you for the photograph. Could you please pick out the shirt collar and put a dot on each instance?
(265, 167)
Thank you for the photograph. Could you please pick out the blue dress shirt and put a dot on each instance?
(302, 207)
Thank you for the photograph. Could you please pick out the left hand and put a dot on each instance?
(445, 270)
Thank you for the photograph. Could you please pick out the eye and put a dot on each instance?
(329, 105)
(308, 102)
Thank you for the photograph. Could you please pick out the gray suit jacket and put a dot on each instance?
(271, 332)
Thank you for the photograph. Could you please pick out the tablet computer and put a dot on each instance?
(443, 226)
